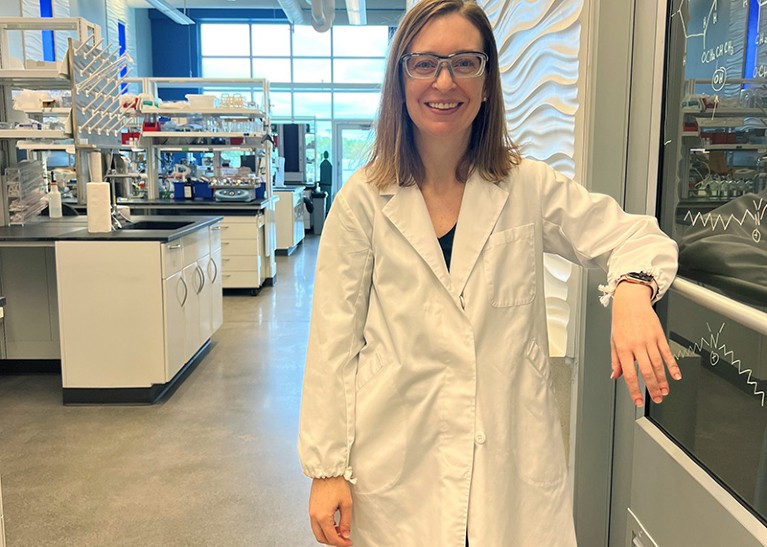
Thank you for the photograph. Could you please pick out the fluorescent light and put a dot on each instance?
(171, 12)
(355, 11)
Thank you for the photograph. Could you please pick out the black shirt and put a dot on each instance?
(446, 242)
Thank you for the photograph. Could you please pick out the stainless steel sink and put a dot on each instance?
(166, 225)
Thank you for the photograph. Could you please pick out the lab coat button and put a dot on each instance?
(480, 438)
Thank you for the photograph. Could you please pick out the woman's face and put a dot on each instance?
(443, 107)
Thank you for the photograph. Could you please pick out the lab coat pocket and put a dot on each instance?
(378, 453)
(509, 262)
(538, 449)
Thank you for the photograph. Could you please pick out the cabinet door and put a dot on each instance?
(175, 297)
(215, 281)
(192, 337)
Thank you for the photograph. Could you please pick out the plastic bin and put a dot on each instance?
(202, 190)
(319, 199)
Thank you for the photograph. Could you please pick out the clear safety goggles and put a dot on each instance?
(426, 66)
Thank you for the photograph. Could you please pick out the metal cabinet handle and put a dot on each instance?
(202, 278)
(186, 290)
(215, 270)
(176, 246)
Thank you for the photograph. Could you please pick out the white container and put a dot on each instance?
(201, 101)
(54, 202)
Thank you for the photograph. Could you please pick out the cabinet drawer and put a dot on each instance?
(241, 280)
(196, 246)
(172, 258)
(239, 231)
(240, 263)
(239, 247)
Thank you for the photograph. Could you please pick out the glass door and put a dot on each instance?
(352, 142)
(713, 203)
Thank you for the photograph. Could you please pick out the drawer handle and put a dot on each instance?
(215, 227)
(176, 246)
(225, 242)
(225, 259)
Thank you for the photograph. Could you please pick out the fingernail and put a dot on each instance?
(639, 402)
(677, 376)
(664, 391)
(657, 400)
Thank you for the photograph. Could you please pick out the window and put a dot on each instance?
(325, 75)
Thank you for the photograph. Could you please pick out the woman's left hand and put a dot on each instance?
(637, 337)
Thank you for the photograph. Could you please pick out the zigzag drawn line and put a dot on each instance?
(713, 343)
(708, 218)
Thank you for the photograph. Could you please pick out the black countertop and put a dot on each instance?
(195, 203)
(76, 229)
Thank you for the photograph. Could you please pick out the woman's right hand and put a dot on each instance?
(327, 497)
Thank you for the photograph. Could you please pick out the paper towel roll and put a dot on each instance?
(99, 207)
(94, 167)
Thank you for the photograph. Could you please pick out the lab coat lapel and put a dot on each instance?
(407, 211)
(482, 204)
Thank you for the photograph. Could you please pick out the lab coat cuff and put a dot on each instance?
(316, 473)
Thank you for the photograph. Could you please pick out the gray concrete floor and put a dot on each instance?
(215, 464)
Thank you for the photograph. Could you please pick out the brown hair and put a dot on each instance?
(394, 158)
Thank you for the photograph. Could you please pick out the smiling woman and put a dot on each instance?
(428, 415)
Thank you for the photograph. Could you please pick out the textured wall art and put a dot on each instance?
(539, 46)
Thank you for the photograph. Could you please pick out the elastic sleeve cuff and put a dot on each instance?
(346, 473)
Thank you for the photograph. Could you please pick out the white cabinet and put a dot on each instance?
(133, 313)
(290, 218)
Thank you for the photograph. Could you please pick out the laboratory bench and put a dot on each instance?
(248, 235)
(127, 313)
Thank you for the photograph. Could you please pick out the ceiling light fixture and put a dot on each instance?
(171, 12)
(355, 10)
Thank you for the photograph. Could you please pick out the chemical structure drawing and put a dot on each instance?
(719, 76)
(756, 216)
(717, 352)
(710, 19)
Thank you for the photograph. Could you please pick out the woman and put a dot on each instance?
(428, 417)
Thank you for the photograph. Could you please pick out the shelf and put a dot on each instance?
(56, 111)
(179, 112)
(33, 134)
(204, 147)
(734, 147)
(198, 134)
(34, 145)
(690, 134)
(35, 78)
(725, 112)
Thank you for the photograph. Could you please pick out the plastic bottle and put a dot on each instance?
(54, 202)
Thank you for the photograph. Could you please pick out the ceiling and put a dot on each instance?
(372, 5)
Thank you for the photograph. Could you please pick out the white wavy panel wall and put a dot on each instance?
(33, 39)
(117, 10)
(61, 9)
(538, 42)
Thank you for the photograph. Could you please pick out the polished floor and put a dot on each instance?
(215, 464)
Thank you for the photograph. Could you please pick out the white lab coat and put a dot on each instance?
(432, 389)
